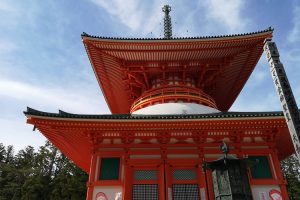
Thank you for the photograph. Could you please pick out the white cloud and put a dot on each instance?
(7, 46)
(9, 13)
(5, 6)
(269, 102)
(226, 13)
(139, 16)
(294, 34)
(260, 76)
(292, 55)
(77, 100)
(128, 13)
(144, 18)
(19, 134)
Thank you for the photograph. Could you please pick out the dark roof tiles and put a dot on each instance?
(62, 114)
(270, 29)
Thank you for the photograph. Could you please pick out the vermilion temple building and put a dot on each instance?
(169, 99)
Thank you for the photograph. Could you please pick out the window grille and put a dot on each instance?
(145, 175)
(185, 192)
(184, 174)
(145, 192)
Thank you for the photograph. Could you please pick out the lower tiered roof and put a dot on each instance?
(78, 135)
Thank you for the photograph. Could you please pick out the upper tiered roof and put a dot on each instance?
(221, 65)
(270, 29)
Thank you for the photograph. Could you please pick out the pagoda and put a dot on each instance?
(169, 99)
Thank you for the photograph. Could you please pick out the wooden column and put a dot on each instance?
(128, 178)
(162, 176)
(210, 185)
(168, 175)
(201, 181)
(279, 175)
(91, 181)
(161, 182)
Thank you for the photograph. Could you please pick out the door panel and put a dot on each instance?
(186, 192)
(145, 192)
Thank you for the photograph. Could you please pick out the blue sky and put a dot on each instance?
(43, 63)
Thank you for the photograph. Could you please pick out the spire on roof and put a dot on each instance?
(167, 22)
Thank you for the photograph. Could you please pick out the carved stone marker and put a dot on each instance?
(285, 94)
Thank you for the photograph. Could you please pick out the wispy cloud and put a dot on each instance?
(50, 98)
(294, 34)
(292, 54)
(206, 17)
(268, 102)
(5, 6)
(128, 13)
(6, 46)
(19, 134)
(226, 13)
(143, 18)
(43, 63)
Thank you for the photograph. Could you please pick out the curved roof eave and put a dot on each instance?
(178, 39)
(219, 115)
(106, 54)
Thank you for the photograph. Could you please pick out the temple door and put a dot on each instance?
(145, 184)
(184, 183)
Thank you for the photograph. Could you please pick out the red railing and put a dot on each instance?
(173, 94)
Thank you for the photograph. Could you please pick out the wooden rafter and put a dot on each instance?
(158, 58)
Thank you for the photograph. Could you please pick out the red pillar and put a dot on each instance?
(162, 176)
(127, 182)
(168, 175)
(200, 179)
(210, 185)
(161, 182)
(90, 183)
(278, 171)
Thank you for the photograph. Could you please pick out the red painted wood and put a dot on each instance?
(282, 183)
(127, 67)
(127, 182)
(91, 181)
(77, 139)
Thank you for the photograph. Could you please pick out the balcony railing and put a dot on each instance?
(173, 93)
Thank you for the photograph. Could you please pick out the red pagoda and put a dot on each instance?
(169, 99)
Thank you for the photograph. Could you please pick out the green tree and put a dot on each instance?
(291, 171)
(69, 183)
(45, 174)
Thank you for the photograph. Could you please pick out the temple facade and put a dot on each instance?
(169, 99)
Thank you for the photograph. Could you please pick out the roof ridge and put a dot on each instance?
(269, 29)
(62, 114)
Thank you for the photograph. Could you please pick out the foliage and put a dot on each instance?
(48, 174)
(291, 171)
(45, 174)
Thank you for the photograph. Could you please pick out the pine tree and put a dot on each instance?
(291, 171)
(45, 174)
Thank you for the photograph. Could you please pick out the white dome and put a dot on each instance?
(175, 108)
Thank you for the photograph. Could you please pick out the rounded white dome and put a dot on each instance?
(175, 108)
